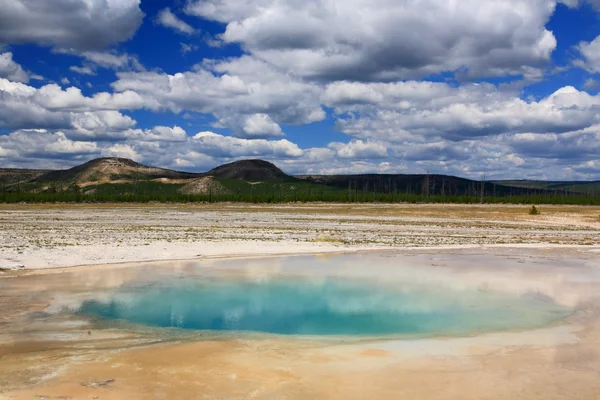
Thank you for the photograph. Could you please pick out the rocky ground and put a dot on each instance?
(43, 236)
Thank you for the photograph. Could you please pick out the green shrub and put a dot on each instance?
(533, 211)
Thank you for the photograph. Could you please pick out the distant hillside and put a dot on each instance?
(203, 186)
(589, 188)
(9, 176)
(120, 179)
(250, 170)
(105, 170)
(442, 185)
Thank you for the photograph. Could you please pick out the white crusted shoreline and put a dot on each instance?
(39, 237)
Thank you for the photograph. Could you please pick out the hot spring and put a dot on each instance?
(350, 295)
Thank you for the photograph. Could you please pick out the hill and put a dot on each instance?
(429, 185)
(250, 170)
(9, 176)
(206, 185)
(119, 179)
(105, 170)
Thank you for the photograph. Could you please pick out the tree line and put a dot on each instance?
(333, 196)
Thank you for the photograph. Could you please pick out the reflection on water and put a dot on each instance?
(353, 294)
(284, 301)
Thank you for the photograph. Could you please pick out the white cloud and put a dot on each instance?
(158, 133)
(65, 81)
(572, 146)
(100, 125)
(43, 144)
(11, 70)
(422, 111)
(219, 146)
(51, 107)
(591, 84)
(261, 125)
(389, 39)
(234, 91)
(576, 3)
(336, 166)
(77, 24)
(167, 19)
(121, 150)
(113, 60)
(83, 70)
(590, 52)
(360, 149)
(299, 57)
(589, 170)
(53, 97)
(104, 59)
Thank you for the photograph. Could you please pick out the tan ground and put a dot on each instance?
(74, 359)
(64, 235)
(69, 358)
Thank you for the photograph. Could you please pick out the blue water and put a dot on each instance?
(321, 307)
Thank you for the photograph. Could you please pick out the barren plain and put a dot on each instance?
(554, 255)
(48, 236)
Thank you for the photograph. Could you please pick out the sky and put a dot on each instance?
(506, 89)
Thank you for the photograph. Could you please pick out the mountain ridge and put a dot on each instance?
(115, 176)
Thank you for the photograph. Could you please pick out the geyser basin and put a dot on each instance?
(318, 304)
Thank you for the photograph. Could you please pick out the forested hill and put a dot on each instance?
(119, 179)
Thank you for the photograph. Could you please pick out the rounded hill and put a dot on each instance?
(110, 169)
(250, 170)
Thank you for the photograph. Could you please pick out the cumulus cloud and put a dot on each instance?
(121, 150)
(389, 39)
(254, 126)
(589, 169)
(299, 60)
(577, 145)
(246, 95)
(261, 125)
(11, 70)
(360, 149)
(220, 146)
(167, 19)
(77, 24)
(590, 52)
(337, 166)
(99, 125)
(591, 84)
(39, 143)
(429, 110)
(51, 107)
(53, 97)
(158, 133)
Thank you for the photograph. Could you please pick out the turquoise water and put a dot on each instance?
(321, 307)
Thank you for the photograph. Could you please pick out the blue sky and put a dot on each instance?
(502, 88)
